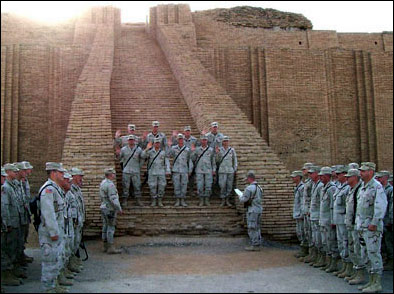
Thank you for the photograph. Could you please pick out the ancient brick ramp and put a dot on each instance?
(208, 102)
(144, 89)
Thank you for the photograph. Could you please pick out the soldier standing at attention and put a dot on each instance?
(325, 219)
(317, 258)
(155, 134)
(158, 168)
(190, 142)
(10, 270)
(26, 186)
(253, 198)
(227, 166)
(79, 218)
(51, 229)
(383, 177)
(130, 157)
(110, 208)
(205, 167)
(339, 213)
(306, 206)
(371, 208)
(355, 278)
(296, 176)
(182, 167)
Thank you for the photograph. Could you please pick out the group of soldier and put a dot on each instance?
(58, 217)
(342, 213)
(203, 159)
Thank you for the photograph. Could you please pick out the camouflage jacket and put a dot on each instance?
(298, 199)
(326, 204)
(315, 200)
(340, 204)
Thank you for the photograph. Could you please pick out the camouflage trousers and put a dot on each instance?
(226, 184)
(329, 241)
(70, 240)
(180, 181)
(316, 235)
(355, 248)
(342, 237)
(6, 263)
(157, 186)
(50, 255)
(109, 223)
(21, 241)
(308, 231)
(77, 238)
(204, 184)
(254, 228)
(371, 243)
(300, 231)
(135, 180)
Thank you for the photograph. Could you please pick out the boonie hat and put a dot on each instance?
(353, 172)
(325, 170)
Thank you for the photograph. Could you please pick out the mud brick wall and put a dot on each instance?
(209, 102)
(88, 143)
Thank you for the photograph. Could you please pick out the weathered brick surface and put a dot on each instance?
(284, 97)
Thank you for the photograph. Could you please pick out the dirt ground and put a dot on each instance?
(194, 264)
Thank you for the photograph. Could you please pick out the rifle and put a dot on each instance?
(83, 247)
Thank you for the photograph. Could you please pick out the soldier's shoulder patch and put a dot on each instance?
(48, 190)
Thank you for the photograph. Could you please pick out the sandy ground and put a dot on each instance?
(194, 264)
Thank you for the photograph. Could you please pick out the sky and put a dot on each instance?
(340, 16)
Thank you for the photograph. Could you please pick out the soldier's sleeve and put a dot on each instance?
(142, 160)
(168, 166)
(391, 207)
(380, 206)
(213, 161)
(235, 160)
(170, 152)
(246, 195)
(118, 142)
(191, 165)
(114, 197)
(121, 155)
(48, 211)
(74, 206)
(5, 216)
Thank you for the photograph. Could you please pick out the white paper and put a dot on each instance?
(239, 193)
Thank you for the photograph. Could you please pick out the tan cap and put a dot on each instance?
(325, 170)
(131, 127)
(341, 169)
(214, 124)
(155, 123)
(11, 167)
(108, 171)
(353, 165)
(296, 173)
(382, 173)
(204, 137)
(67, 175)
(314, 169)
(55, 166)
(21, 166)
(187, 128)
(3, 173)
(250, 174)
(131, 137)
(180, 136)
(28, 165)
(352, 172)
(226, 138)
(76, 172)
(367, 166)
(307, 165)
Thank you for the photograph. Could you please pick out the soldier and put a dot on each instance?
(371, 208)
(182, 167)
(190, 142)
(131, 159)
(307, 223)
(51, 229)
(339, 213)
(23, 201)
(26, 186)
(383, 177)
(318, 258)
(110, 207)
(328, 231)
(68, 238)
(121, 141)
(10, 220)
(227, 165)
(158, 168)
(253, 198)
(79, 218)
(353, 179)
(296, 176)
(155, 134)
(214, 137)
(205, 167)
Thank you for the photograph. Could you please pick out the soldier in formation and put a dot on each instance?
(352, 216)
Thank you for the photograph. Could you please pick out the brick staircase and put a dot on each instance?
(144, 89)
